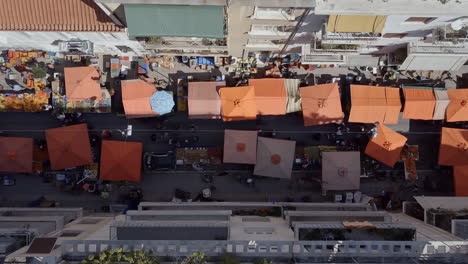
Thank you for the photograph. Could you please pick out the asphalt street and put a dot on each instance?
(160, 186)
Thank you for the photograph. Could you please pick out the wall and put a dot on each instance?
(104, 42)
(43, 224)
(69, 214)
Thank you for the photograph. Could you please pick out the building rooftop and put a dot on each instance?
(52, 15)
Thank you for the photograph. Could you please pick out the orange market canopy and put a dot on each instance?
(68, 146)
(341, 170)
(203, 100)
(120, 161)
(16, 154)
(460, 180)
(457, 109)
(386, 146)
(82, 83)
(136, 96)
(419, 103)
(240, 146)
(270, 95)
(321, 104)
(370, 104)
(275, 157)
(453, 149)
(238, 103)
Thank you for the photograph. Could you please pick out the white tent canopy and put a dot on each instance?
(442, 101)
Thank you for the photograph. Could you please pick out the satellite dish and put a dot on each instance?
(457, 24)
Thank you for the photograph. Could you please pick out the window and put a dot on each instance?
(394, 35)
(424, 20)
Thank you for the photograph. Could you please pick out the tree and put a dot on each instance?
(39, 71)
(118, 256)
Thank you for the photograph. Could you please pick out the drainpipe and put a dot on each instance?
(293, 34)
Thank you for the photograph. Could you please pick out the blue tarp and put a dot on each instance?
(205, 61)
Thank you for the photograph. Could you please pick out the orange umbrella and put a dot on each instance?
(68, 146)
(82, 83)
(238, 103)
(453, 149)
(460, 180)
(386, 146)
(457, 109)
(270, 95)
(321, 104)
(16, 154)
(120, 161)
(419, 103)
(370, 104)
(136, 96)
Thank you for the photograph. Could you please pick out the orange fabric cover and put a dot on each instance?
(203, 99)
(419, 104)
(16, 154)
(457, 109)
(460, 180)
(387, 146)
(453, 149)
(270, 95)
(136, 96)
(370, 104)
(120, 161)
(238, 103)
(321, 104)
(68, 146)
(82, 83)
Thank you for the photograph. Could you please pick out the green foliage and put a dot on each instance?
(263, 261)
(117, 256)
(39, 71)
(229, 259)
(195, 258)
(154, 40)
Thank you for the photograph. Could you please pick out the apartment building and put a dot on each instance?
(414, 35)
(303, 232)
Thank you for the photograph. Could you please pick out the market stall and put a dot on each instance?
(136, 95)
(453, 150)
(420, 103)
(270, 96)
(200, 155)
(409, 156)
(203, 100)
(120, 161)
(386, 146)
(16, 154)
(457, 109)
(275, 157)
(321, 104)
(341, 171)
(460, 180)
(240, 146)
(238, 103)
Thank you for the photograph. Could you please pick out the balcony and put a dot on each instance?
(358, 38)
(263, 45)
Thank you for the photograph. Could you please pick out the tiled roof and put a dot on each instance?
(54, 15)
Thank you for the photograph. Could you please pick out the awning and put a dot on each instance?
(457, 109)
(240, 146)
(16, 154)
(203, 100)
(460, 180)
(356, 23)
(238, 103)
(68, 146)
(386, 146)
(153, 20)
(293, 96)
(270, 95)
(321, 104)
(453, 149)
(442, 102)
(341, 170)
(136, 96)
(120, 161)
(419, 103)
(82, 83)
(275, 157)
(370, 104)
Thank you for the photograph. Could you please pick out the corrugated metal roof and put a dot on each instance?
(175, 21)
(53, 15)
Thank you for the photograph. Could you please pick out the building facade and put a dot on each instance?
(303, 232)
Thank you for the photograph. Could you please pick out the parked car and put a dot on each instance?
(159, 161)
